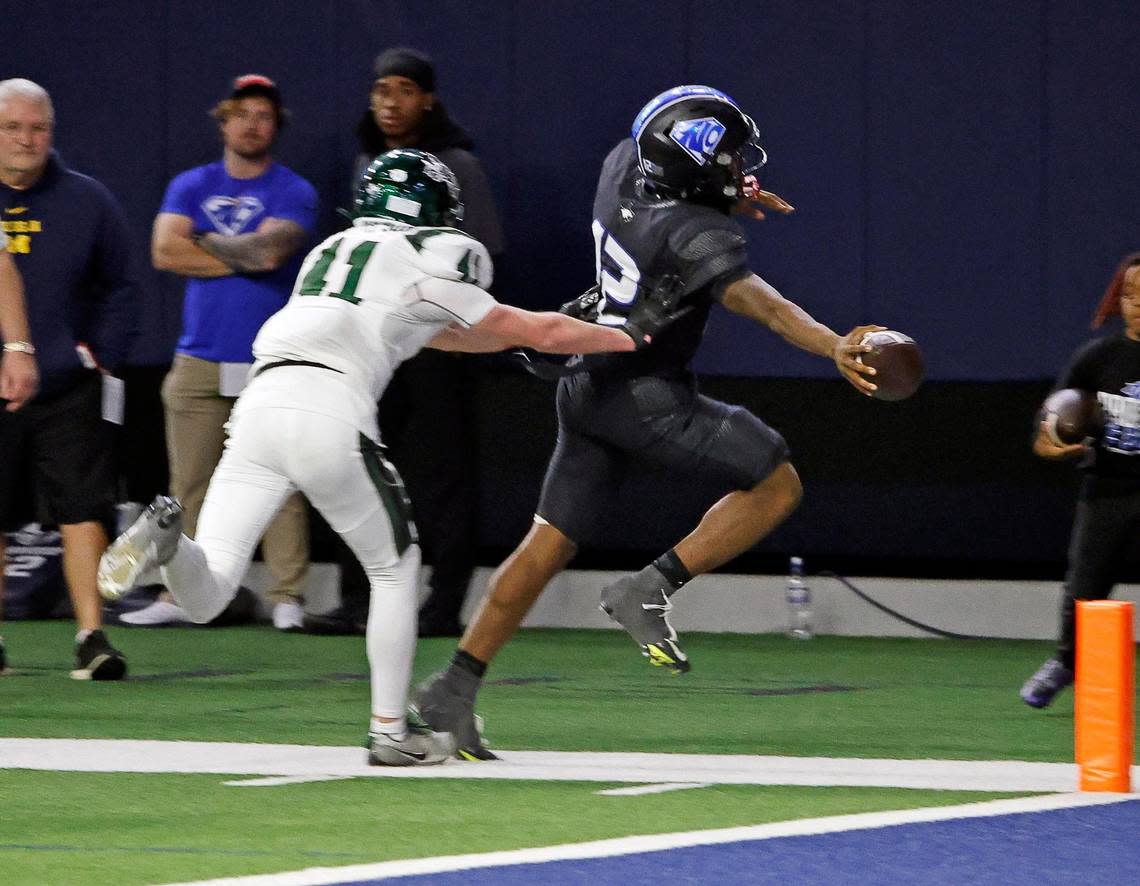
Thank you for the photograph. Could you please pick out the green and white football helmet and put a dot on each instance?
(409, 186)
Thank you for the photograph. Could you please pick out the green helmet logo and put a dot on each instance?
(409, 186)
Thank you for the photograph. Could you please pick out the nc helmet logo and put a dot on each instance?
(698, 138)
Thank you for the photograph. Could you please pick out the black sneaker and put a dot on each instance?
(3, 659)
(446, 706)
(97, 659)
(428, 627)
(639, 604)
(339, 622)
(1040, 689)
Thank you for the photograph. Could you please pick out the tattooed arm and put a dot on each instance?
(265, 249)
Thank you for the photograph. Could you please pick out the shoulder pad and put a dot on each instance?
(705, 244)
(451, 254)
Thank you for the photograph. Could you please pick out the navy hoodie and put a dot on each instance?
(71, 244)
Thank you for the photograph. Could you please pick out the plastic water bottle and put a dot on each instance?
(126, 512)
(799, 602)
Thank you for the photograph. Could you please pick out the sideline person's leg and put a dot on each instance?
(195, 416)
(1102, 531)
(285, 547)
(74, 453)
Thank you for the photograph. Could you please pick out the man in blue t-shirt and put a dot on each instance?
(235, 229)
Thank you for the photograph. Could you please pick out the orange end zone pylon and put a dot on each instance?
(1106, 665)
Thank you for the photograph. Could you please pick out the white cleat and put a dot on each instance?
(416, 747)
(151, 541)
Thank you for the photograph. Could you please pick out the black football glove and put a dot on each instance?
(654, 310)
(585, 307)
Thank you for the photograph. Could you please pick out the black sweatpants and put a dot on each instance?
(1106, 530)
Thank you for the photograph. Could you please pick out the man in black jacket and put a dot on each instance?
(70, 243)
(426, 415)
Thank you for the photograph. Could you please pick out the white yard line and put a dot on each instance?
(231, 758)
(642, 789)
(278, 781)
(663, 842)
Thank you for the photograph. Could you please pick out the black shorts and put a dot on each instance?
(57, 460)
(603, 426)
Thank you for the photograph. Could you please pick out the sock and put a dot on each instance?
(670, 565)
(468, 663)
(83, 635)
(395, 728)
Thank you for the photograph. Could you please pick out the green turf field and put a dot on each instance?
(549, 690)
(560, 690)
(84, 829)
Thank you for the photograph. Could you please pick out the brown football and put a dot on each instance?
(898, 364)
(1070, 415)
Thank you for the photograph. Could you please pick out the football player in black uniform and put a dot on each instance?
(665, 241)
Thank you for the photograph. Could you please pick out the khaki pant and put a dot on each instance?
(196, 415)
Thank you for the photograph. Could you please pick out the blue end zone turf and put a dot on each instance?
(1090, 845)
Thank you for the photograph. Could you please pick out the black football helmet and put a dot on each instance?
(694, 142)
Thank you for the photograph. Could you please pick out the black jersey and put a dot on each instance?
(645, 244)
(1110, 368)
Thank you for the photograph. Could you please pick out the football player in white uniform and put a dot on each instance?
(366, 299)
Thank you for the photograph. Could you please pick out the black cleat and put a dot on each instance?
(339, 622)
(1040, 689)
(97, 659)
(640, 605)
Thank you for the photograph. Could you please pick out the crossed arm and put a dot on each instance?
(174, 248)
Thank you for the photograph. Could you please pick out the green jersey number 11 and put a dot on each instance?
(348, 268)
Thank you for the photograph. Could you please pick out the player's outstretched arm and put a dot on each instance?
(754, 298)
(547, 331)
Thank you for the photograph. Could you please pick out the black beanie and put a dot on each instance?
(410, 63)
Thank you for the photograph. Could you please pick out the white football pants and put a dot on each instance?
(272, 451)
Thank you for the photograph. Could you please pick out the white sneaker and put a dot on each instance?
(288, 616)
(160, 612)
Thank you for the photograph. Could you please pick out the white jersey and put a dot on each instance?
(369, 298)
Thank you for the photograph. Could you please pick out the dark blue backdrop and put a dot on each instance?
(962, 171)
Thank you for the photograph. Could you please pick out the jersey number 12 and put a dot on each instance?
(616, 270)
